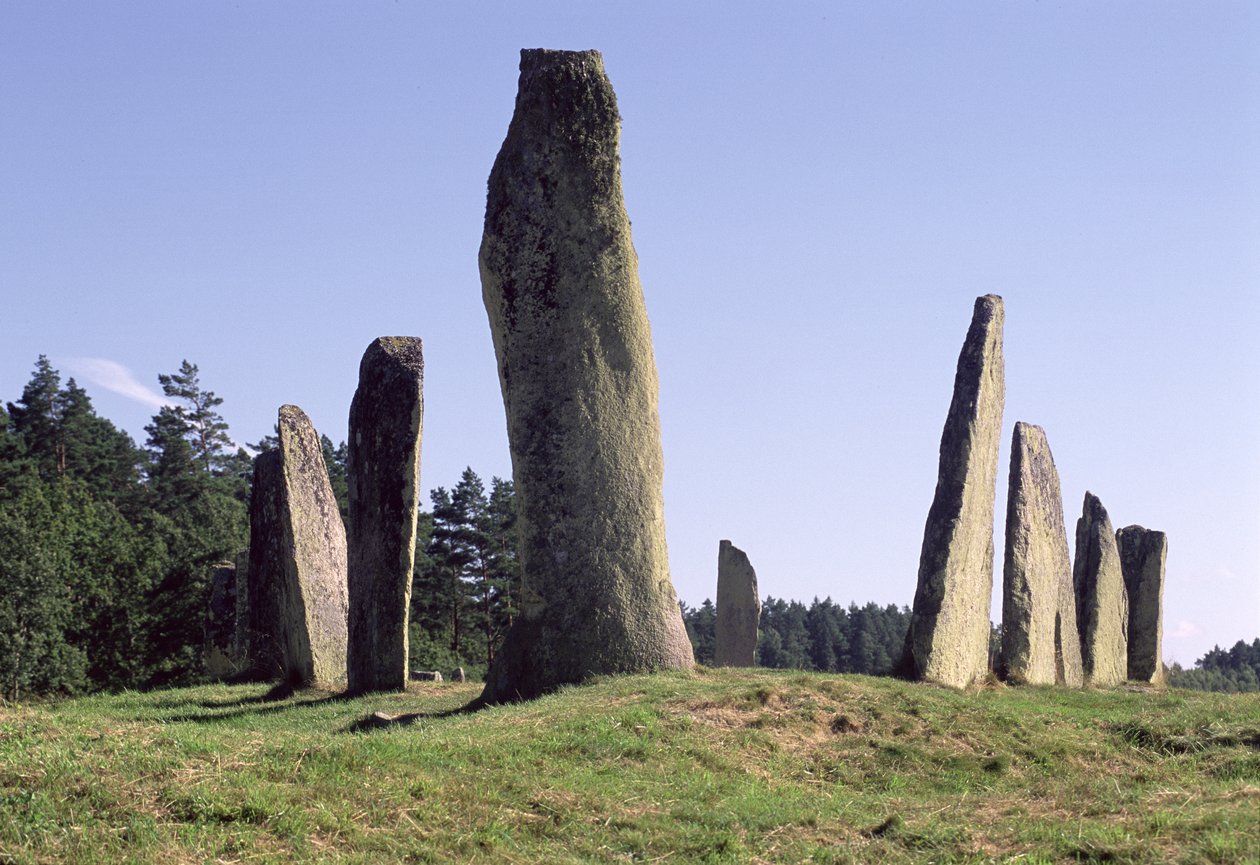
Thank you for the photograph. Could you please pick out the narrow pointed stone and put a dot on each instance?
(561, 289)
(948, 639)
(1040, 643)
(1102, 608)
(383, 471)
(1143, 554)
(738, 609)
(297, 562)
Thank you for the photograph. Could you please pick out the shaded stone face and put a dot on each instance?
(1143, 554)
(948, 637)
(1040, 644)
(738, 609)
(561, 289)
(297, 562)
(386, 418)
(1102, 608)
(223, 656)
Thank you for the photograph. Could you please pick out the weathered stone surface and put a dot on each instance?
(297, 562)
(1102, 608)
(738, 609)
(561, 288)
(457, 674)
(386, 418)
(222, 652)
(1143, 554)
(426, 675)
(948, 638)
(1040, 642)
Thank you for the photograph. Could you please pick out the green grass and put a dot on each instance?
(714, 766)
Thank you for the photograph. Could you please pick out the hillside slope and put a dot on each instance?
(714, 766)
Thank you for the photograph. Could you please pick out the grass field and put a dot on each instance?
(713, 766)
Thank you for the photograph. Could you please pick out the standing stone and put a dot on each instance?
(738, 609)
(948, 639)
(383, 470)
(561, 288)
(297, 562)
(1143, 553)
(222, 650)
(1102, 608)
(1040, 642)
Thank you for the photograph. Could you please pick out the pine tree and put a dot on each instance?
(206, 430)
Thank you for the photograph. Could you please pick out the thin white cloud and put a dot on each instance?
(114, 377)
(1184, 630)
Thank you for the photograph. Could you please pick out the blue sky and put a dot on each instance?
(818, 193)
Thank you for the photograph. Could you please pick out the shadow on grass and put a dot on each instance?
(385, 721)
(284, 698)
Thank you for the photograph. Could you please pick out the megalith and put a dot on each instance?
(948, 638)
(1143, 554)
(561, 288)
(383, 468)
(297, 562)
(1102, 608)
(222, 649)
(1040, 642)
(738, 609)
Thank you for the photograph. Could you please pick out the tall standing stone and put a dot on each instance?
(1143, 554)
(297, 562)
(1102, 608)
(1040, 642)
(738, 609)
(561, 288)
(948, 638)
(386, 418)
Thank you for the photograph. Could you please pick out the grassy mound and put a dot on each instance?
(714, 766)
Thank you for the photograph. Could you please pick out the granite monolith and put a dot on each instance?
(1102, 607)
(561, 288)
(298, 573)
(738, 609)
(1040, 643)
(1143, 555)
(383, 471)
(948, 638)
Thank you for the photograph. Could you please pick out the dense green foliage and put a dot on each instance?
(105, 547)
(1232, 670)
(825, 636)
(714, 766)
(107, 551)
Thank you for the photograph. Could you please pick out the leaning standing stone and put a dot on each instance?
(297, 562)
(948, 638)
(561, 288)
(738, 609)
(386, 418)
(1102, 608)
(1143, 553)
(1040, 642)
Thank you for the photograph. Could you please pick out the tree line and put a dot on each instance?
(1234, 669)
(107, 549)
